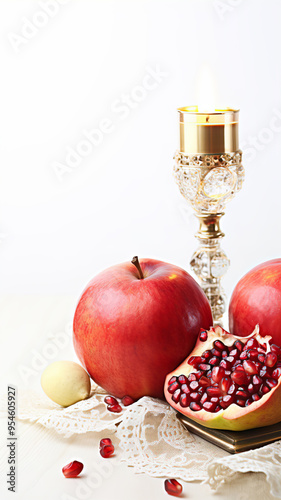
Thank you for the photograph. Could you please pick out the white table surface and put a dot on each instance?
(27, 325)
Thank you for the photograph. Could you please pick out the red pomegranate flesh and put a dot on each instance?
(228, 382)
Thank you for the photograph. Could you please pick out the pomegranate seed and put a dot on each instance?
(232, 389)
(250, 367)
(195, 397)
(198, 374)
(252, 343)
(276, 373)
(184, 400)
(251, 389)
(241, 393)
(173, 387)
(214, 361)
(194, 385)
(241, 402)
(234, 353)
(105, 442)
(276, 349)
(270, 359)
(115, 408)
(171, 381)
(191, 377)
(224, 354)
(239, 377)
(204, 381)
(255, 397)
(209, 406)
(185, 389)
(194, 406)
(203, 336)
(194, 361)
(173, 487)
(240, 368)
(217, 373)
(204, 398)
(216, 352)
(72, 469)
(213, 391)
(243, 355)
(257, 381)
(252, 354)
(204, 367)
(225, 364)
(214, 400)
(264, 389)
(206, 355)
(227, 373)
(226, 401)
(219, 345)
(176, 396)
(265, 371)
(182, 379)
(107, 451)
(238, 345)
(271, 383)
(261, 351)
(225, 385)
(127, 400)
(209, 374)
(110, 400)
(261, 358)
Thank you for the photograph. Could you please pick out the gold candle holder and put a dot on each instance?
(209, 172)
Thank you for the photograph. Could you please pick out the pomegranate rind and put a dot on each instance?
(266, 411)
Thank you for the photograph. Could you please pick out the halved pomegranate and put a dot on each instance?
(228, 382)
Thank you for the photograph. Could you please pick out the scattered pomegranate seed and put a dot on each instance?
(173, 487)
(203, 335)
(105, 442)
(115, 408)
(127, 400)
(73, 469)
(107, 451)
(110, 400)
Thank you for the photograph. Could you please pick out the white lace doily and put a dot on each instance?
(152, 439)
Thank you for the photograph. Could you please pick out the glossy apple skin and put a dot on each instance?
(256, 299)
(130, 332)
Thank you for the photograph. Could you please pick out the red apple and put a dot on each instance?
(134, 323)
(256, 299)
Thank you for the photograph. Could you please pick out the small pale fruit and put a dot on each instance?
(66, 382)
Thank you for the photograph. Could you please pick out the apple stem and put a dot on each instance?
(135, 261)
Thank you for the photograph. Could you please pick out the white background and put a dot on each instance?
(66, 77)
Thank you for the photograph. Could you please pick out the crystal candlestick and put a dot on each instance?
(209, 172)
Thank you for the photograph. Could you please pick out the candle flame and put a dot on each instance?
(206, 90)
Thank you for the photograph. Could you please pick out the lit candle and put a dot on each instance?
(214, 132)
